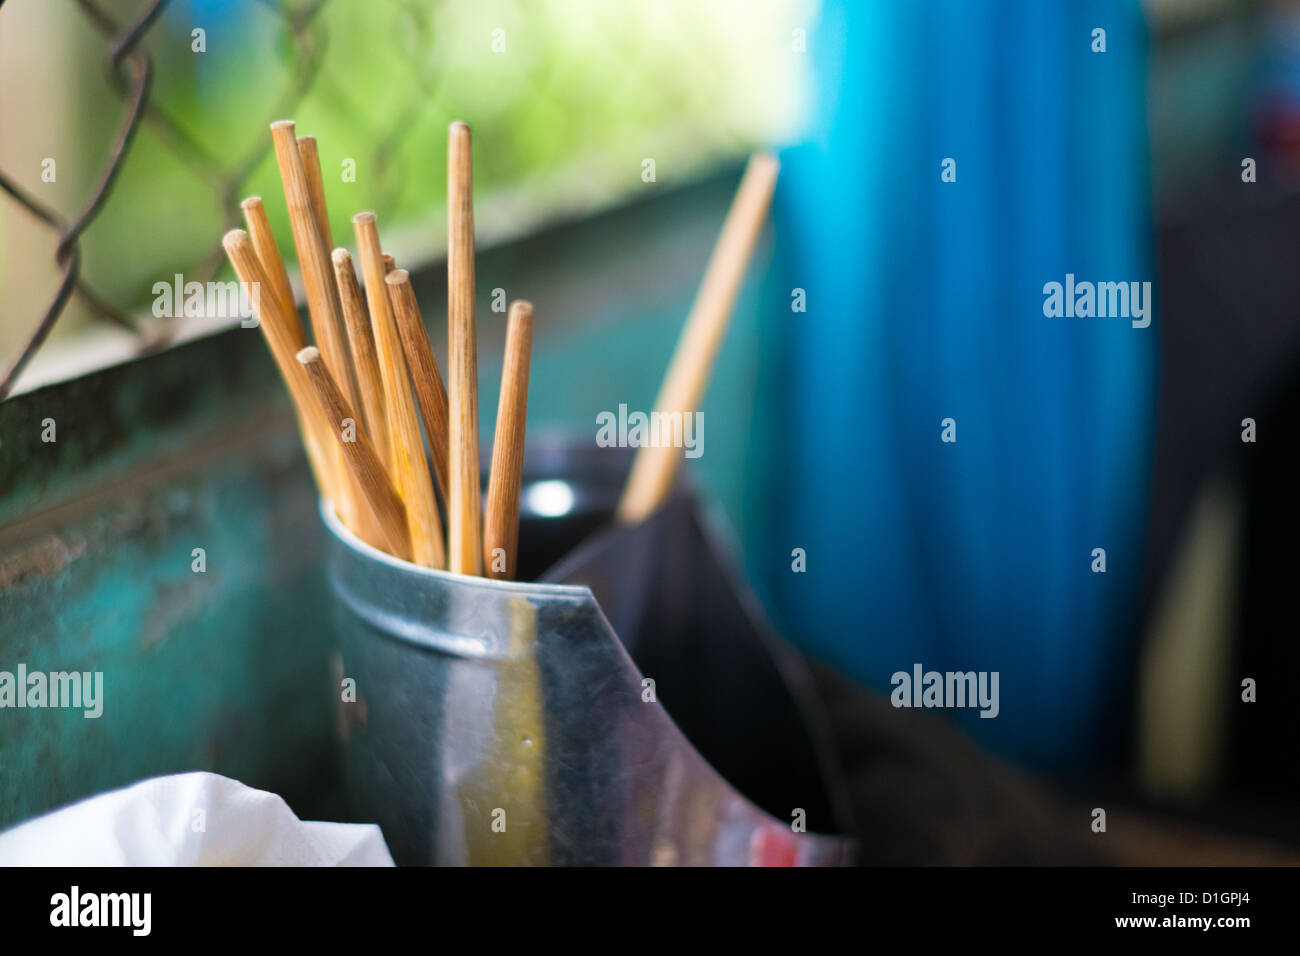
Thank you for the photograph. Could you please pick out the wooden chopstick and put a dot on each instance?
(268, 254)
(389, 263)
(313, 259)
(464, 539)
(359, 454)
(322, 301)
(407, 460)
(310, 157)
(278, 326)
(655, 467)
(364, 359)
(429, 389)
(501, 521)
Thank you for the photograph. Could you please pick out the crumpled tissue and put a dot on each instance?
(189, 819)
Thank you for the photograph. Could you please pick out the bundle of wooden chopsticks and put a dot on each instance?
(361, 391)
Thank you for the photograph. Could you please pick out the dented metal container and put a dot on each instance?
(630, 708)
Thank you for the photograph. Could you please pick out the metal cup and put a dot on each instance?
(486, 722)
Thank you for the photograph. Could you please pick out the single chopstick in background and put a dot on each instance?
(429, 389)
(268, 254)
(407, 463)
(365, 361)
(389, 263)
(360, 456)
(501, 520)
(464, 541)
(655, 468)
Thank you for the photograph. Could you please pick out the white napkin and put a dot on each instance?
(190, 819)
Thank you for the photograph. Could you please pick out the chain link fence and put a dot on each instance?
(568, 99)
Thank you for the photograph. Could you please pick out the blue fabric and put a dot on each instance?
(924, 302)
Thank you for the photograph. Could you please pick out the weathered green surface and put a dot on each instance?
(227, 670)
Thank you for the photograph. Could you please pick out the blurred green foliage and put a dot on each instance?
(566, 98)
